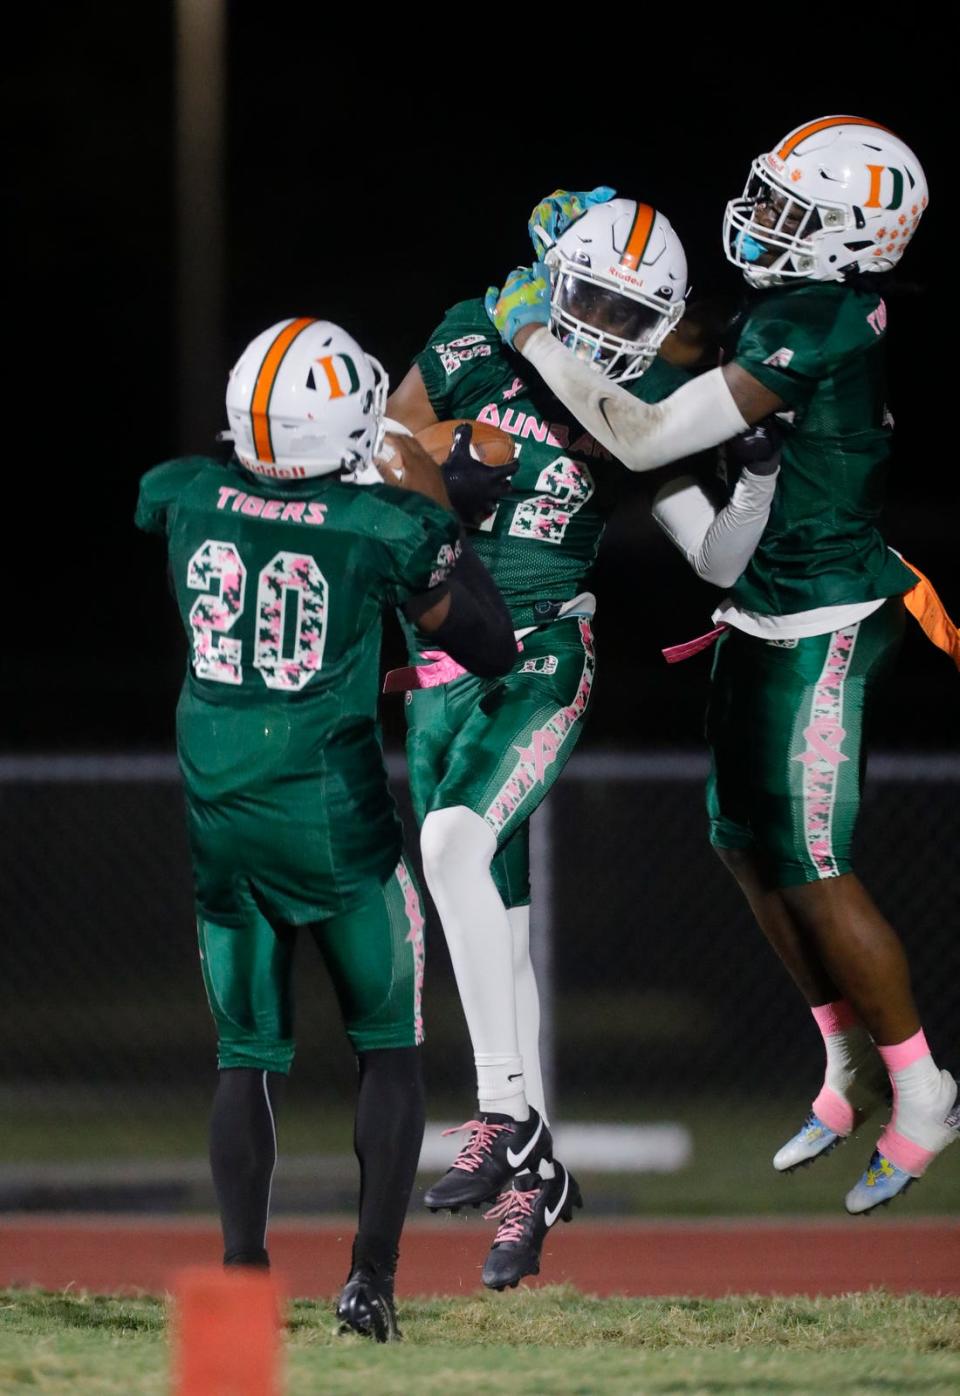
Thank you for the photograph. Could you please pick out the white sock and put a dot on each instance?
(854, 1076)
(922, 1097)
(457, 847)
(528, 1007)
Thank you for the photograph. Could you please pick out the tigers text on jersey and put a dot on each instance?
(281, 588)
(820, 348)
(543, 538)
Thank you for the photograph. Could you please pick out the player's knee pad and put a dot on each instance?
(249, 997)
(259, 1053)
(729, 837)
(455, 841)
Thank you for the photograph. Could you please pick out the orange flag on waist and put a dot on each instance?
(928, 610)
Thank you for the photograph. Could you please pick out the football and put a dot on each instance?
(489, 444)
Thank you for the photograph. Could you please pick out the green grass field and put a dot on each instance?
(544, 1341)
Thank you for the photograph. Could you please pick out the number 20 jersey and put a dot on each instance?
(281, 589)
(542, 540)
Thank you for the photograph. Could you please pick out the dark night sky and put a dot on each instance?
(376, 193)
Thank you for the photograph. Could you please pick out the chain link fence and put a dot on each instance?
(658, 987)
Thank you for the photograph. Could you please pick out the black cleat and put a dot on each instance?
(366, 1306)
(499, 1147)
(526, 1213)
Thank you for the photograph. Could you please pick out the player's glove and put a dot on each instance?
(524, 300)
(757, 449)
(475, 489)
(554, 214)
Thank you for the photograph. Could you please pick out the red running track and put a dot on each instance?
(709, 1259)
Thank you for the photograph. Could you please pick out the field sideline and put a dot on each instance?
(549, 1340)
(707, 1259)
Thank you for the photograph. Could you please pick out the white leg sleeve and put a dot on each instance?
(528, 1007)
(457, 847)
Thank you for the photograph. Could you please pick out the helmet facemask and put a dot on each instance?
(617, 332)
(769, 232)
(368, 443)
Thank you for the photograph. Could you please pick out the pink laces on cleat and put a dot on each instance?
(512, 1209)
(471, 1155)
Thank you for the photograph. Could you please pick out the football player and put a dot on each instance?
(815, 621)
(281, 565)
(483, 754)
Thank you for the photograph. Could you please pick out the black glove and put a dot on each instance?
(757, 449)
(475, 489)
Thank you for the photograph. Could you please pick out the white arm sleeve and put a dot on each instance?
(642, 435)
(717, 545)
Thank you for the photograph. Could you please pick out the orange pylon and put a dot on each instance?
(226, 1333)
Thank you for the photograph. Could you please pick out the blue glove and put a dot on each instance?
(524, 300)
(554, 214)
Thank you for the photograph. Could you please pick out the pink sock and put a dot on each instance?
(847, 1045)
(913, 1138)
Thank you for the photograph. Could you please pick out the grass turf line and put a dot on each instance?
(552, 1339)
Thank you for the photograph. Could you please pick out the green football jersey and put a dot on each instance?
(542, 540)
(281, 588)
(820, 348)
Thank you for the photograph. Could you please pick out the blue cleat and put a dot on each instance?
(883, 1180)
(880, 1184)
(812, 1140)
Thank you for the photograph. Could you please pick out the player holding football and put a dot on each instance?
(816, 619)
(482, 755)
(281, 565)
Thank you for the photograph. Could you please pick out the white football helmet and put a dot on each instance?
(618, 278)
(837, 195)
(304, 399)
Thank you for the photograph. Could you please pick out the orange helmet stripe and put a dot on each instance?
(263, 387)
(639, 237)
(791, 143)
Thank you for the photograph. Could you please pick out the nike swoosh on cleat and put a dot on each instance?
(549, 1216)
(515, 1160)
(515, 1077)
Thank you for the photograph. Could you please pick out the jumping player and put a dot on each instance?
(483, 755)
(281, 565)
(815, 621)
